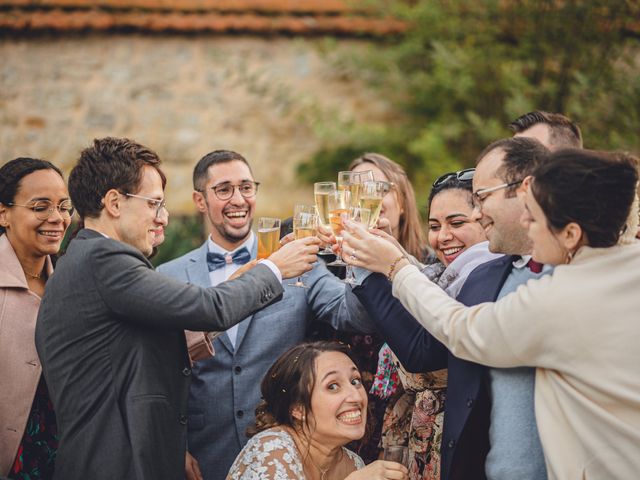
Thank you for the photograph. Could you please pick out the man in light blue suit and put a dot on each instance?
(225, 388)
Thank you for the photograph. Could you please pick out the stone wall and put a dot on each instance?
(267, 98)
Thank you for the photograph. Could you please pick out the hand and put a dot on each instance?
(363, 249)
(191, 468)
(243, 269)
(326, 236)
(379, 470)
(289, 237)
(296, 257)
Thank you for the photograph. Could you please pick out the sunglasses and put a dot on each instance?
(465, 175)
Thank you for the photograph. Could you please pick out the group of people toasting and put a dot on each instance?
(510, 327)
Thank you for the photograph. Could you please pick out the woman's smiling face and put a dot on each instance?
(451, 229)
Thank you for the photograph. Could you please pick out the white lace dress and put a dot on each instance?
(272, 455)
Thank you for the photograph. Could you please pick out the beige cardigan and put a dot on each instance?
(20, 367)
(581, 328)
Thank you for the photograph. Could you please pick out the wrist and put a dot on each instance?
(395, 266)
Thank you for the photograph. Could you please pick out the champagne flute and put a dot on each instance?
(348, 180)
(305, 224)
(339, 203)
(361, 216)
(371, 197)
(321, 192)
(268, 236)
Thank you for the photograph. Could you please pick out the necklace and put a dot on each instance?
(31, 274)
(323, 471)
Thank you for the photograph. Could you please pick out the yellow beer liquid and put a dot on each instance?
(268, 241)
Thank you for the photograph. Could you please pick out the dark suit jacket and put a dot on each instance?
(110, 338)
(465, 439)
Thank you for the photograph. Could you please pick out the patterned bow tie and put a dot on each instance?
(535, 267)
(217, 260)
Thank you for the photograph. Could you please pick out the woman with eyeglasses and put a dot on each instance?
(460, 245)
(579, 327)
(35, 212)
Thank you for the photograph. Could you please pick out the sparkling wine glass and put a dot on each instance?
(361, 216)
(305, 224)
(321, 192)
(268, 236)
(371, 196)
(339, 203)
(350, 181)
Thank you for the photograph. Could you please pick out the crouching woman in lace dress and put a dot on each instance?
(313, 404)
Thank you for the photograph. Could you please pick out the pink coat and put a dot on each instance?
(20, 367)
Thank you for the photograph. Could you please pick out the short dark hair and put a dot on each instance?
(200, 171)
(110, 163)
(563, 132)
(12, 173)
(289, 383)
(522, 155)
(593, 189)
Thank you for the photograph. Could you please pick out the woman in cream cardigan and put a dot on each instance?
(579, 326)
(35, 212)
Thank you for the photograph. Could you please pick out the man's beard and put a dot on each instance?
(229, 236)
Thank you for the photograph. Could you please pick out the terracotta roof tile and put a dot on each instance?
(18, 19)
(297, 6)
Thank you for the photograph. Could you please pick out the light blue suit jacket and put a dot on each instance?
(225, 389)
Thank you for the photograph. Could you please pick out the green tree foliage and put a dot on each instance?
(464, 69)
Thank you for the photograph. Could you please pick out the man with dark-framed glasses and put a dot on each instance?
(226, 387)
(110, 329)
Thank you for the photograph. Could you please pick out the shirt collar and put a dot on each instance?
(215, 248)
(522, 261)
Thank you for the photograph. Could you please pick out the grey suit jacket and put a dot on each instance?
(226, 388)
(110, 337)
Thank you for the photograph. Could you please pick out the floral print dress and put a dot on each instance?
(272, 455)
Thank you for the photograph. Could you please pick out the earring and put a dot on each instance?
(568, 257)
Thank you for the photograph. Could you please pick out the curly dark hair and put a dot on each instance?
(289, 383)
(110, 163)
(593, 189)
(12, 173)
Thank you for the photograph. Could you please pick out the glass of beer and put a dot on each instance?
(321, 192)
(361, 216)
(305, 224)
(268, 236)
(371, 195)
(338, 212)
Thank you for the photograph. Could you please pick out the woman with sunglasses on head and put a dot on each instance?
(313, 405)
(460, 245)
(35, 212)
(579, 327)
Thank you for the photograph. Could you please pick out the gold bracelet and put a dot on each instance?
(393, 267)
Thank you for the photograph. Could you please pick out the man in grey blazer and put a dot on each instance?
(109, 332)
(226, 388)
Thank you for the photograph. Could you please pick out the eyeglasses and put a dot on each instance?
(465, 175)
(43, 209)
(159, 205)
(482, 194)
(225, 191)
